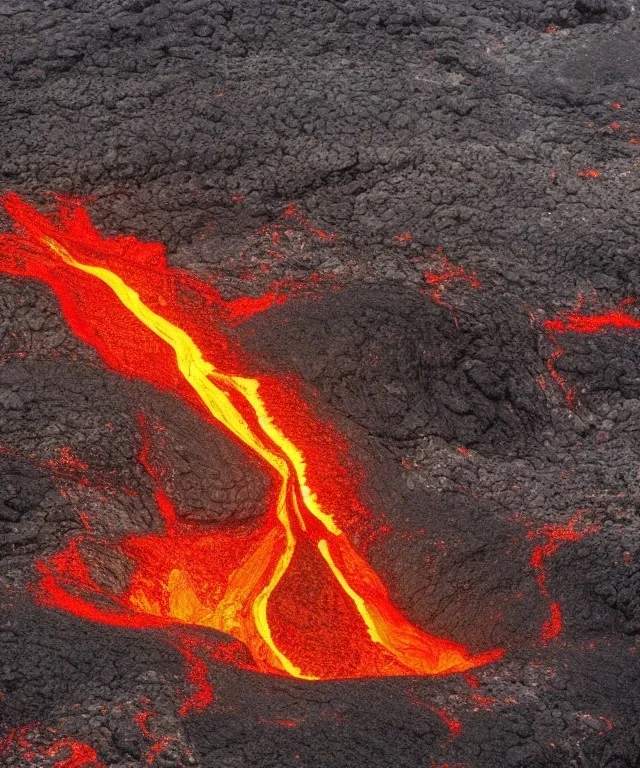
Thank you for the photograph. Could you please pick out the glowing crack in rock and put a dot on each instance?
(437, 279)
(292, 588)
(555, 535)
(65, 752)
(578, 321)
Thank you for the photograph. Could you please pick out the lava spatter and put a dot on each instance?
(151, 322)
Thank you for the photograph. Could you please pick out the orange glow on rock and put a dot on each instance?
(79, 755)
(555, 536)
(66, 752)
(291, 588)
(436, 279)
(578, 321)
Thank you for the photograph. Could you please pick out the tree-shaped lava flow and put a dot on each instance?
(293, 590)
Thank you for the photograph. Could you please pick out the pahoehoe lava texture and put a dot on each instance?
(506, 132)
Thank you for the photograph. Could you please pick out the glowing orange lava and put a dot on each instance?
(291, 588)
(589, 173)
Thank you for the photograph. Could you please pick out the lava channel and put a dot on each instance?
(293, 589)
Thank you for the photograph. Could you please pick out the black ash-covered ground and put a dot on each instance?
(466, 125)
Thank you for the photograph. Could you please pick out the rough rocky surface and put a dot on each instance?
(508, 133)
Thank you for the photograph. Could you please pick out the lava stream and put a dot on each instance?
(293, 589)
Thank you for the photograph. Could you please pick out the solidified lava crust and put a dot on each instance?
(392, 206)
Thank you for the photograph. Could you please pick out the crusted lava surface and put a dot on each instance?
(428, 212)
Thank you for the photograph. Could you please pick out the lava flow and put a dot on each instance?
(292, 589)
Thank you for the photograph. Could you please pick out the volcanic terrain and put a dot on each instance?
(319, 384)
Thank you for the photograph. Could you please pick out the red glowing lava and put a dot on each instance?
(66, 468)
(16, 741)
(555, 536)
(78, 755)
(291, 588)
(453, 724)
(159, 743)
(437, 279)
(197, 675)
(66, 752)
(580, 322)
(290, 214)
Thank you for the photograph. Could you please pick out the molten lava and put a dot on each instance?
(577, 321)
(79, 755)
(292, 588)
(66, 752)
(437, 279)
(555, 536)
